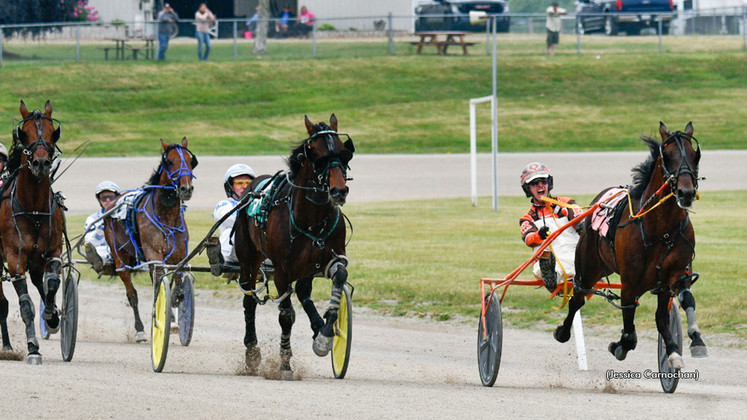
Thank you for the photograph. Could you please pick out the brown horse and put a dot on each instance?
(303, 233)
(32, 222)
(154, 229)
(651, 250)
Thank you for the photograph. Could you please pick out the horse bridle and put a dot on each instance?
(37, 116)
(673, 178)
(182, 169)
(334, 159)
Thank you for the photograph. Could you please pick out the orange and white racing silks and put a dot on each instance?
(553, 216)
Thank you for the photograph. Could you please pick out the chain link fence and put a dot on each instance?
(723, 29)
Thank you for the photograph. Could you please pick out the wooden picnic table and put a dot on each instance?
(122, 46)
(119, 48)
(442, 40)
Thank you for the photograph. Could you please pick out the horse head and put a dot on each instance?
(177, 163)
(328, 156)
(680, 155)
(37, 135)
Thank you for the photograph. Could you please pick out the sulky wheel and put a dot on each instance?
(69, 319)
(669, 385)
(490, 340)
(161, 322)
(186, 314)
(343, 335)
(43, 330)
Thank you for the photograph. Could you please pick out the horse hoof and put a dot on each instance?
(618, 351)
(140, 337)
(252, 358)
(322, 345)
(174, 328)
(675, 361)
(53, 324)
(698, 351)
(558, 336)
(286, 375)
(34, 359)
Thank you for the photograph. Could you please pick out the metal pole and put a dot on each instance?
(661, 28)
(494, 106)
(578, 36)
(2, 64)
(487, 40)
(235, 41)
(744, 28)
(391, 34)
(77, 43)
(313, 39)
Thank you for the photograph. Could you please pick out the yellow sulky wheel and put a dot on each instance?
(161, 323)
(343, 335)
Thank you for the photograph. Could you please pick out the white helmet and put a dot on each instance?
(4, 151)
(107, 186)
(234, 171)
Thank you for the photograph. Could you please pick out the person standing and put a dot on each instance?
(167, 17)
(553, 26)
(204, 19)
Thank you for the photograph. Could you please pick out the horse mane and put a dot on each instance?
(14, 158)
(155, 177)
(643, 172)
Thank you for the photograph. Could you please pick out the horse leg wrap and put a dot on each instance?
(27, 314)
(549, 275)
(286, 318)
(688, 304)
(627, 342)
(250, 334)
(51, 285)
(133, 303)
(18, 277)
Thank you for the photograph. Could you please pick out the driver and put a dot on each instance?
(541, 220)
(236, 181)
(97, 250)
(3, 161)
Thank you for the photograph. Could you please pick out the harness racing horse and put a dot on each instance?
(303, 234)
(154, 229)
(654, 243)
(32, 223)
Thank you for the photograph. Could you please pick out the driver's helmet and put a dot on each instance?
(533, 171)
(107, 186)
(234, 171)
(3, 151)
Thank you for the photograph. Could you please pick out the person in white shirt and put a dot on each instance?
(97, 250)
(553, 26)
(237, 180)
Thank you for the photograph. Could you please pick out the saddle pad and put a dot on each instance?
(125, 203)
(602, 217)
(255, 206)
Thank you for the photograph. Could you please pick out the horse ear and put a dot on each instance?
(24, 111)
(309, 125)
(185, 143)
(663, 131)
(689, 129)
(164, 145)
(333, 122)
(48, 109)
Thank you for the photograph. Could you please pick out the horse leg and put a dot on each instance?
(662, 325)
(323, 341)
(4, 320)
(303, 291)
(126, 277)
(629, 339)
(51, 282)
(286, 318)
(27, 314)
(563, 332)
(697, 345)
(252, 355)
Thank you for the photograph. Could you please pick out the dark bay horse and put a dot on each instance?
(651, 250)
(154, 229)
(303, 234)
(32, 223)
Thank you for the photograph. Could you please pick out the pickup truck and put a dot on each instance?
(630, 16)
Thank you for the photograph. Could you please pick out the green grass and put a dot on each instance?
(404, 103)
(425, 258)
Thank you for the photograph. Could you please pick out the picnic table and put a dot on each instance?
(442, 40)
(122, 46)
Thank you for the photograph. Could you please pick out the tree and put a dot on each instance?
(34, 11)
(260, 40)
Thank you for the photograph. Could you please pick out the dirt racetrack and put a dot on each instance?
(399, 368)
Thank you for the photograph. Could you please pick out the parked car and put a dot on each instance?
(628, 16)
(453, 15)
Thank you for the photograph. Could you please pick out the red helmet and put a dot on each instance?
(533, 171)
